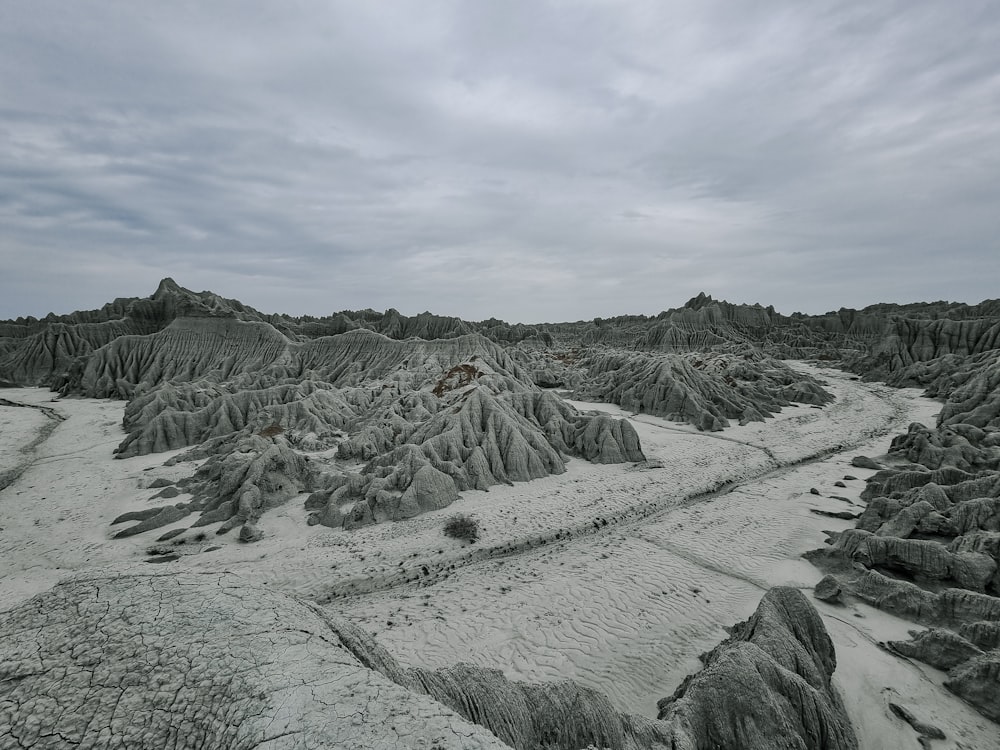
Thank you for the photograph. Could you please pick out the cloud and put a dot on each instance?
(528, 160)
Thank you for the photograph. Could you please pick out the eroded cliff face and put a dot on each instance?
(880, 341)
(189, 660)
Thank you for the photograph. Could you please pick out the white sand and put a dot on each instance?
(639, 583)
(56, 515)
(18, 428)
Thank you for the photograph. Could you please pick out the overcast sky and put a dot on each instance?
(529, 160)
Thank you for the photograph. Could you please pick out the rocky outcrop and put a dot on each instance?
(241, 480)
(984, 634)
(938, 647)
(766, 686)
(950, 606)
(38, 359)
(703, 390)
(959, 446)
(920, 558)
(477, 438)
(528, 716)
(828, 589)
(909, 341)
(973, 392)
(978, 682)
(311, 413)
(425, 433)
(153, 661)
(54, 350)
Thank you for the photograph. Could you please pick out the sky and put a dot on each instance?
(533, 160)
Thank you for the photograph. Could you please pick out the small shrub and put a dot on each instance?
(462, 527)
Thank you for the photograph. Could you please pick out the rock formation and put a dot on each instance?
(933, 507)
(766, 686)
(433, 397)
(978, 682)
(703, 390)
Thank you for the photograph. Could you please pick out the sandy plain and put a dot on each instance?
(616, 576)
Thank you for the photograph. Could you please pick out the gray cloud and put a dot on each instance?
(529, 160)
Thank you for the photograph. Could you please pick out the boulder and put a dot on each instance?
(828, 589)
(863, 462)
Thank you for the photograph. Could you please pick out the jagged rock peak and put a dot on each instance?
(699, 301)
(166, 286)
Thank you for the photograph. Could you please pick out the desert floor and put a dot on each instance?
(616, 576)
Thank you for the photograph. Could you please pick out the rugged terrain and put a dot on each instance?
(309, 465)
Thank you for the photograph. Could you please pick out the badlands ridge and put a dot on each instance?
(646, 489)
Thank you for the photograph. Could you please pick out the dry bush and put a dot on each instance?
(462, 527)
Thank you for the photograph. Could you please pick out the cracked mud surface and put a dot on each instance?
(182, 661)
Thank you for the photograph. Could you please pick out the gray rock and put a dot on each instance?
(828, 589)
(162, 517)
(925, 730)
(170, 535)
(250, 533)
(430, 490)
(842, 514)
(928, 559)
(863, 462)
(909, 600)
(906, 520)
(936, 524)
(983, 633)
(782, 660)
(938, 647)
(977, 681)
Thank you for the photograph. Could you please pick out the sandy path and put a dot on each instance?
(56, 512)
(23, 428)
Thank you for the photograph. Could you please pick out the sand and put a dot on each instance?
(617, 576)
